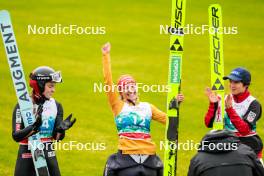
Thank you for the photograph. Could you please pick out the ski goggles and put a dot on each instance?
(54, 77)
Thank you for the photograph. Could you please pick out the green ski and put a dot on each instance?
(217, 61)
(174, 81)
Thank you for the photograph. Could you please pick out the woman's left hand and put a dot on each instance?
(228, 101)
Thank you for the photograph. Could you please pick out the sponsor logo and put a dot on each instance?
(176, 46)
(235, 73)
(216, 40)
(14, 62)
(51, 154)
(218, 85)
(175, 69)
(18, 126)
(18, 116)
(178, 14)
(177, 28)
(29, 118)
(251, 116)
(26, 155)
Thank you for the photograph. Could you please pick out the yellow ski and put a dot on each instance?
(217, 61)
(174, 81)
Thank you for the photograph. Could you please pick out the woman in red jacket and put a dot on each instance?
(242, 110)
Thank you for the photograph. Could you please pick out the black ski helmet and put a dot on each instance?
(40, 76)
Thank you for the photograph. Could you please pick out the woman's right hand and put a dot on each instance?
(212, 96)
(38, 118)
(106, 48)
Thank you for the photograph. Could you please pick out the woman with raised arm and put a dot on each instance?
(136, 152)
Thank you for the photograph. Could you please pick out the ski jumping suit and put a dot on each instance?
(52, 116)
(241, 119)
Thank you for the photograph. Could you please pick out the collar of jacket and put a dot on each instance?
(241, 97)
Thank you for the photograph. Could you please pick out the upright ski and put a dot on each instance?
(174, 81)
(217, 61)
(24, 101)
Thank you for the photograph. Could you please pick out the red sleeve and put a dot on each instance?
(209, 117)
(239, 123)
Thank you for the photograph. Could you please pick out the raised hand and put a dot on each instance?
(212, 96)
(229, 101)
(106, 48)
(38, 117)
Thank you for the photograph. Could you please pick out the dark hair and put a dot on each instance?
(246, 84)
